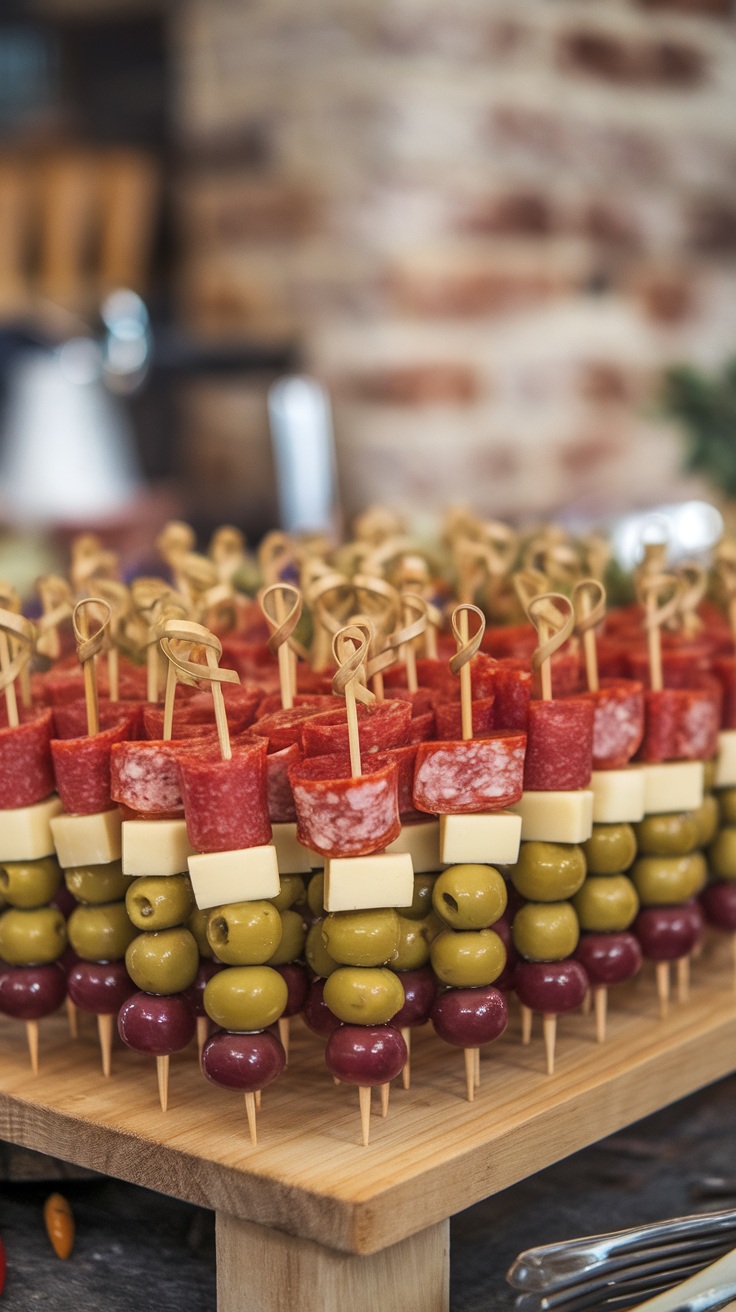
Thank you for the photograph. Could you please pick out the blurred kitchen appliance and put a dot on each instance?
(304, 455)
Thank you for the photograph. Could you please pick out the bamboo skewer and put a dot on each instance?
(203, 1032)
(104, 1031)
(282, 623)
(284, 1034)
(162, 1073)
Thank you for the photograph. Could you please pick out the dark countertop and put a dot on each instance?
(137, 1251)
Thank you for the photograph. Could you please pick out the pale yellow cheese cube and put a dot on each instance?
(672, 786)
(726, 762)
(356, 883)
(246, 875)
(83, 840)
(556, 817)
(293, 858)
(155, 847)
(618, 796)
(421, 840)
(25, 831)
(485, 837)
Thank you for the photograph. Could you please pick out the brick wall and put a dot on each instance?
(489, 223)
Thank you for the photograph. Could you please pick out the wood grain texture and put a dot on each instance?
(433, 1155)
(262, 1270)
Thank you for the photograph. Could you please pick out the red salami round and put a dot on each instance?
(387, 724)
(26, 768)
(724, 669)
(483, 774)
(282, 728)
(82, 769)
(70, 719)
(225, 802)
(316, 700)
(144, 776)
(559, 749)
(422, 728)
(681, 724)
(240, 703)
(188, 723)
(338, 815)
(449, 717)
(618, 722)
(405, 758)
(512, 690)
(281, 809)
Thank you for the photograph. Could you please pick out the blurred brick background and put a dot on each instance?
(490, 224)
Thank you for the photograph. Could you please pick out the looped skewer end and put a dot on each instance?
(467, 647)
(550, 610)
(589, 604)
(650, 590)
(18, 628)
(89, 644)
(694, 581)
(187, 631)
(281, 626)
(350, 658)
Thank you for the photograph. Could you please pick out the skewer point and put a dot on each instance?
(203, 1033)
(526, 1024)
(406, 1072)
(162, 1071)
(250, 1107)
(470, 1072)
(365, 1112)
(32, 1035)
(601, 1009)
(71, 1012)
(550, 1039)
(104, 1030)
(663, 988)
(284, 1036)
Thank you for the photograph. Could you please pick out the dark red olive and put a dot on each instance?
(469, 1018)
(195, 993)
(100, 987)
(502, 927)
(297, 982)
(666, 933)
(609, 958)
(420, 991)
(317, 1014)
(719, 906)
(365, 1054)
(551, 986)
(68, 960)
(31, 992)
(156, 1023)
(64, 901)
(243, 1061)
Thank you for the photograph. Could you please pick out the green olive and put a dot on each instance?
(722, 853)
(610, 849)
(548, 872)
(316, 894)
(293, 938)
(362, 996)
(29, 884)
(32, 937)
(292, 890)
(415, 940)
(98, 884)
(421, 903)
(727, 805)
(245, 999)
(468, 958)
(545, 931)
(662, 880)
(671, 834)
(165, 961)
(361, 938)
(606, 902)
(706, 819)
(469, 896)
(100, 933)
(710, 769)
(160, 901)
(197, 925)
(244, 933)
(316, 953)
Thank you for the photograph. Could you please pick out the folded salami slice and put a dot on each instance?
(64, 682)
(282, 728)
(483, 774)
(618, 722)
(225, 802)
(405, 758)
(191, 724)
(144, 777)
(318, 702)
(82, 769)
(559, 749)
(422, 728)
(449, 718)
(338, 815)
(26, 768)
(512, 690)
(70, 719)
(241, 703)
(384, 725)
(431, 673)
(281, 808)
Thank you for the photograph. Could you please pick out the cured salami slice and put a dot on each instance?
(405, 758)
(512, 690)
(144, 777)
(618, 722)
(681, 724)
(338, 815)
(240, 703)
(724, 669)
(26, 768)
(379, 727)
(281, 809)
(65, 681)
(431, 673)
(70, 719)
(82, 769)
(450, 718)
(483, 774)
(225, 802)
(283, 728)
(422, 727)
(318, 702)
(190, 724)
(559, 749)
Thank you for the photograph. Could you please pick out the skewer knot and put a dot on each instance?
(467, 648)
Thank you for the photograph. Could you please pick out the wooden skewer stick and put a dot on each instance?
(385, 1091)
(526, 1024)
(365, 1112)
(587, 1002)
(589, 603)
(663, 988)
(32, 1036)
(282, 622)
(651, 588)
(17, 642)
(284, 1036)
(250, 1108)
(11, 702)
(350, 647)
(104, 1031)
(162, 1072)
(477, 1068)
(406, 1072)
(601, 1009)
(186, 631)
(88, 647)
(203, 1033)
(460, 662)
(258, 1100)
(470, 1073)
(550, 1040)
(553, 617)
(683, 979)
(71, 1013)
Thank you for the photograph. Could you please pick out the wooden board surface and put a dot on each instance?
(435, 1153)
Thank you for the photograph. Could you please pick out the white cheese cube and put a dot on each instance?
(556, 817)
(155, 847)
(421, 840)
(355, 883)
(83, 840)
(726, 762)
(246, 875)
(618, 796)
(485, 837)
(672, 786)
(25, 831)
(293, 858)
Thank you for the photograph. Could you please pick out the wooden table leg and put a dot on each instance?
(264, 1270)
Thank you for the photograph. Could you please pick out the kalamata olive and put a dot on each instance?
(100, 987)
(666, 933)
(243, 1061)
(158, 1024)
(694, 911)
(502, 927)
(551, 986)
(719, 905)
(64, 901)
(609, 958)
(317, 1014)
(469, 896)
(365, 1054)
(68, 960)
(469, 1018)
(195, 993)
(31, 992)
(420, 991)
(297, 982)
